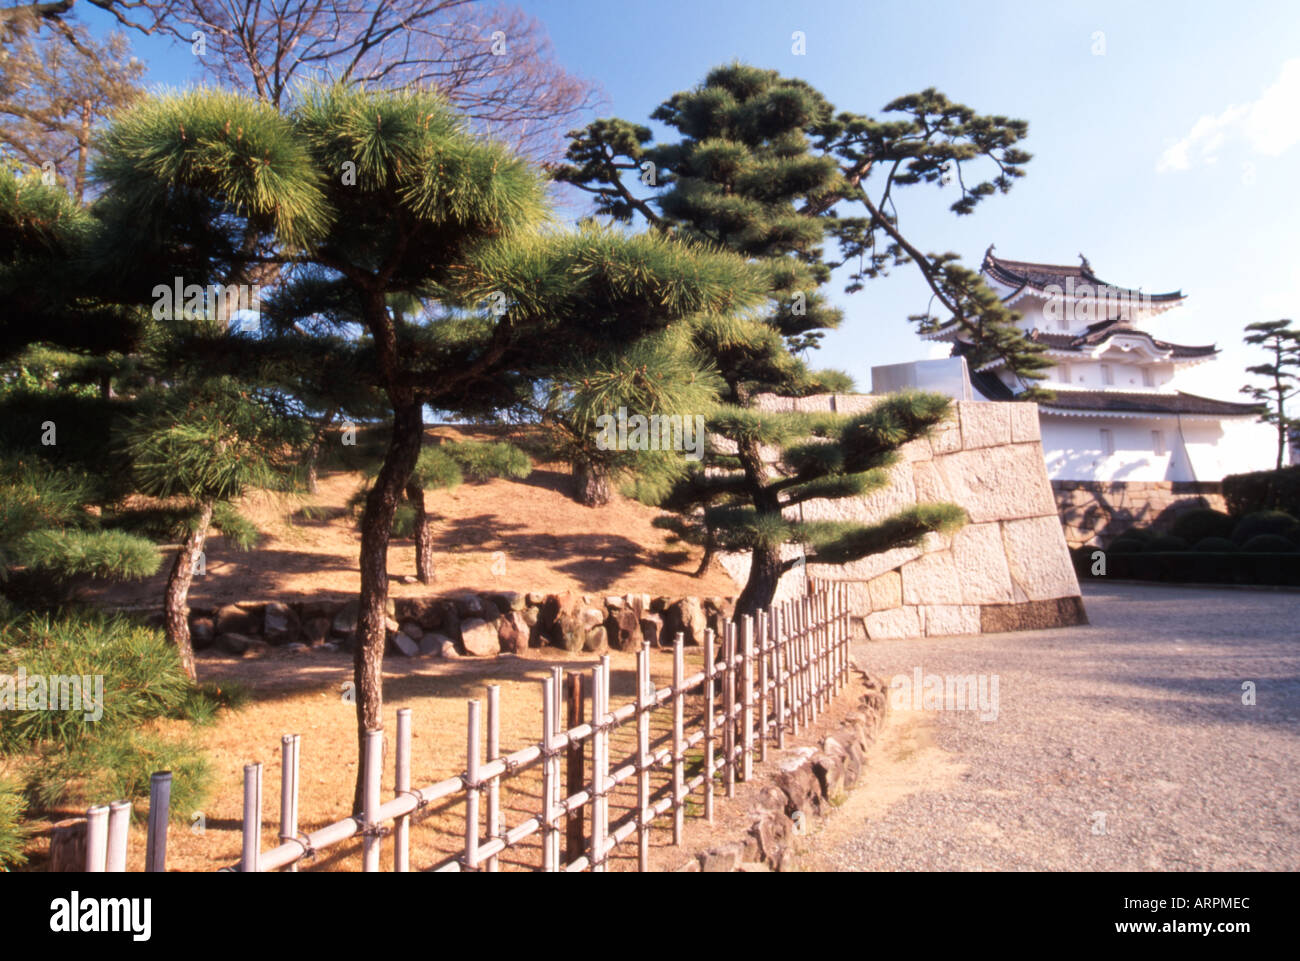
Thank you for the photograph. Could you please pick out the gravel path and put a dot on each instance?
(1123, 745)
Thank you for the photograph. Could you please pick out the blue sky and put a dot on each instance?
(1164, 135)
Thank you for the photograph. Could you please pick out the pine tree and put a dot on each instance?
(387, 194)
(764, 166)
(1282, 342)
(208, 443)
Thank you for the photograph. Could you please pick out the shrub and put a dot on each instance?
(1262, 522)
(1195, 525)
(1265, 490)
(13, 833)
(118, 766)
(142, 675)
(1140, 534)
(1126, 545)
(1219, 545)
(482, 461)
(1167, 542)
(1268, 544)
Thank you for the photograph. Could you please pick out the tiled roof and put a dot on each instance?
(1118, 401)
(1103, 331)
(1019, 273)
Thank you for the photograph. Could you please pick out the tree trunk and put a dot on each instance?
(376, 529)
(709, 550)
(592, 482)
(313, 452)
(176, 609)
(423, 535)
(765, 570)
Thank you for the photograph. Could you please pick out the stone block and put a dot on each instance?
(886, 591)
(931, 579)
(890, 625)
(999, 483)
(943, 620)
(984, 423)
(981, 562)
(1037, 558)
(1024, 423)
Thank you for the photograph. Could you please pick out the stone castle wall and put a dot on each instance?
(1095, 512)
(1007, 569)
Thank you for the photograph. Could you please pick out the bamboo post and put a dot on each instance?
(97, 839)
(119, 827)
(401, 786)
(643, 698)
(372, 774)
(160, 797)
(679, 800)
(289, 791)
(251, 854)
(557, 782)
(598, 768)
(574, 772)
(747, 697)
(764, 630)
(778, 645)
(493, 752)
(473, 739)
(550, 771)
(729, 706)
(710, 673)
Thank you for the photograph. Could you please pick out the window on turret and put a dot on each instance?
(1063, 373)
(1148, 378)
(1158, 442)
(1107, 375)
(1107, 442)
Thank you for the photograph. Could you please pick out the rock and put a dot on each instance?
(799, 783)
(491, 613)
(591, 622)
(685, 616)
(410, 579)
(724, 858)
(316, 630)
(624, 629)
(310, 609)
(280, 623)
(449, 649)
(468, 605)
(295, 647)
(431, 644)
(479, 638)
(202, 632)
(568, 632)
(508, 600)
(690, 867)
(256, 648)
(830, 775)
(345, 619)
(233, 619)
(854, 761)
(652, 627)
(614, 602)
(232, 643)
(532, 616)
(412, 630)
(405, 645)
(772, 833)
(329, 647)
(770, 798)
(512, 632)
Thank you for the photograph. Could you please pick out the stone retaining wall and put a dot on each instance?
(464, 624)
(1007, 569)
(1095, 512)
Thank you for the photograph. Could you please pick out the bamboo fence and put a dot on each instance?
(774, 673)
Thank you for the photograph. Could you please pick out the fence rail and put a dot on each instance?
(774, 673)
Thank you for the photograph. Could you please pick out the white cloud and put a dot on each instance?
(1266, 126)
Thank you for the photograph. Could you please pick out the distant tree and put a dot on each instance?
(56, 89)
(1281, 341)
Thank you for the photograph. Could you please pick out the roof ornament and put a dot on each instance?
(1083, 262)
(988, 253)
